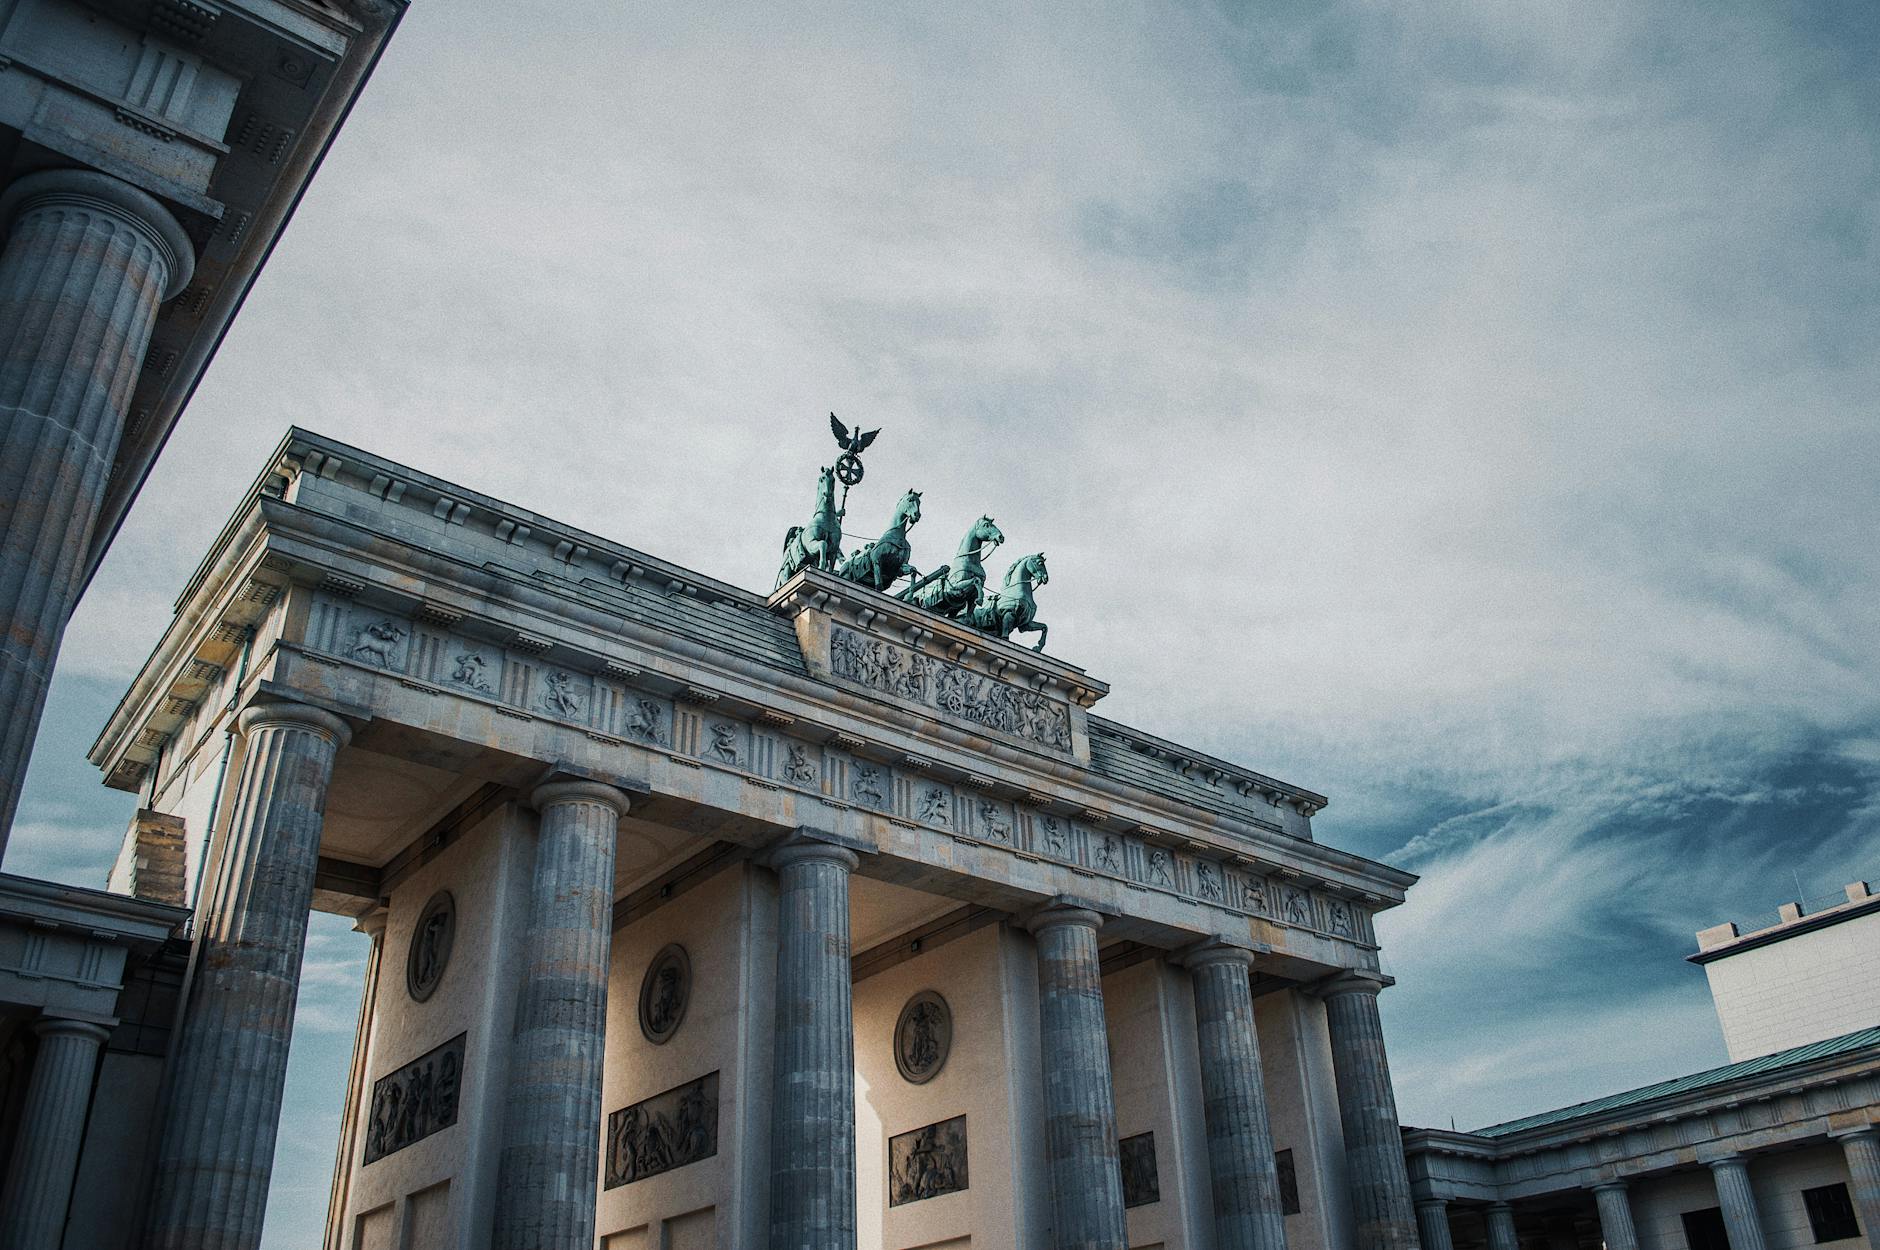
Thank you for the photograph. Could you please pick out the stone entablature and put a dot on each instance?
(1781, 1108)
(382, 593)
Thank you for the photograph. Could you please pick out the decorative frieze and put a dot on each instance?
(927, 1162)
(666, 1131)
(416, 1101)
(947, 687)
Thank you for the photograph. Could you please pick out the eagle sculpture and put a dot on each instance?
(854, 443)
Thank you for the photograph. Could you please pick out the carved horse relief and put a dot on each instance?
(1013, 610)
(818, 543)
(886, 560)
(955, 589)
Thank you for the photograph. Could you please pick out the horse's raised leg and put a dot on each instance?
(1037, 627)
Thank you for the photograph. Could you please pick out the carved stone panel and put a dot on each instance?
(927, 1162)
(416, 1101)
(985, 701)
(666, 1131)
(1137, 1159)
(664, 994)
(429, 952)
(923, 1037)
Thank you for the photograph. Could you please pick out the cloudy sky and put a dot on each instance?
(1463, 410)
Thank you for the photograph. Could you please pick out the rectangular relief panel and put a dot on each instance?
(666, 1131)
(927, 1162)
(1136, 1156)
(416, 1101)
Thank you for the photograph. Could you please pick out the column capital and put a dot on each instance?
(65, 1026)
(1498, 1206)
(1731, 1160)
(303, 715)
(553, 793)
(1427, 1204)
(804, 846)
(1609, 1186)
(1214, 950)
(1870, 1132)
(1063, 910)
(1352, 981)
(88, 188)
(372, 923)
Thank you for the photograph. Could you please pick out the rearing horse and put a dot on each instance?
(881, 563)
(819, 542)
(955, 589)
(1013, 610)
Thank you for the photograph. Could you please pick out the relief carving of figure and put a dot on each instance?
(1210, 884)
(993, 824)
(1159, 868)
(1054, 841)
(666, 1131)
(559, 695)
(866, 785)
(1341, 918)
(378, 642)
(644, 721)
(797, 770)
(471, 669)
(1298, 907)
(415, 1101)
(1106, 855)
(936, 806)
(1253, 895)
(724, 743)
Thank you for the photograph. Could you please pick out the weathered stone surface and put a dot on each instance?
(552, 1122)
(1615, 1217)
(1862, 1148)
(1499, 1217)
(1080, 1115)
(1740, 1216)
(1433, 1225)
(1367, 1108)
(49, 1134)
(1245, 1182)
(86, 262)
(812, 1151)
(216, 1151)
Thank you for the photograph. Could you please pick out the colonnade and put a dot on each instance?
(222, 1111)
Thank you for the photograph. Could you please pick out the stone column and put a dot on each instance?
(352, 1111)
(1734, 1195)
(51, 1129)
(1499, 1217)
(1247, 1214)
(87, 259)
(215, 1151)
(1079, 1105)
(1375, 1174)
(1615, 1216)
(1862, 1148)
(551, 1151)
(1433, 1224)
(812, 1118)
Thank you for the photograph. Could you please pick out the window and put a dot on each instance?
(1288, 1182)
(1703, 1230)
(1830, 1213)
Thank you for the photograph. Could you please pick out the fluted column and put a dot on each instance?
(87, 259)
(1245, 1183)
(1367, 1109)
(1079, 1104)
(1615, 1216)
(1740, 1217)
(215, 1153)
(1501, 1233)
(351, 1115)
(1433, 1224)
(51, 1129)
(1862, 1148)
(552, 1120)
(812, 1119)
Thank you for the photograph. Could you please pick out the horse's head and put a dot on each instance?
(984, 533)
(826, 485)
(907, 512)
(1031, 568)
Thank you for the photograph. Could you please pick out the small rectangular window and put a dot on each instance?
(1288, 1182)
(1830, 1213)
(1703, 1230)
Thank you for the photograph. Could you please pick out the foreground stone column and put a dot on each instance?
(352, 1111)
(51, 1128)
(1740, 1217)
(1862, 1148)
(1079, 1105)
(1247, 1214)
(86, 261)
(550, 1163)
(1375, 1174)
(1615, 1216)
(223, 1110)
(812, 1119)
(1501, 1232)
(1433, 1224)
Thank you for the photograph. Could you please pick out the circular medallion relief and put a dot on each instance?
(430, 945)
(922, 1037)
(664, 993)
